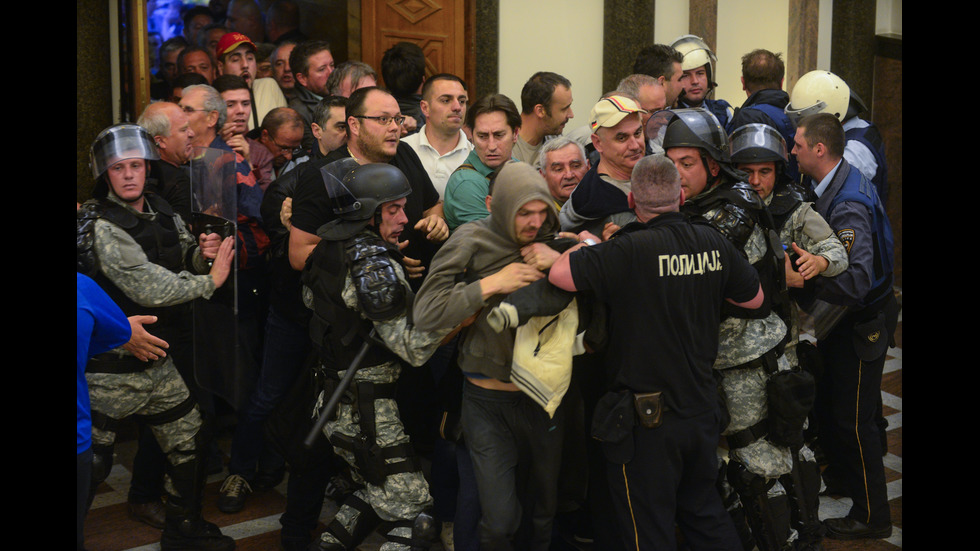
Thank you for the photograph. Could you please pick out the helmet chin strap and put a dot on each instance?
(711, 180)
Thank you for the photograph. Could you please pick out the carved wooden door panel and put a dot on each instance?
(437, 26)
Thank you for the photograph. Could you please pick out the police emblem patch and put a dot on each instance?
(846, 237)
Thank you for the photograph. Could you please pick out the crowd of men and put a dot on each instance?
(590, 334)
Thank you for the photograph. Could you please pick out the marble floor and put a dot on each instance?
(256, 528)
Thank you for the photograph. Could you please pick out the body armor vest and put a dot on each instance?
(739, 210)
(159, 240)
(871, 138)
(336, 330)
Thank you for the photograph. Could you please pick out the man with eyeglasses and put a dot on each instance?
(282, 135)
(373, 136)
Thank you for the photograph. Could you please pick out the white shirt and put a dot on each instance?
(856, 153)
(439, 167)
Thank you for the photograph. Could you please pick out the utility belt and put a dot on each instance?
(111, 362)
(790, 396)
(371, 461)
(617, 413)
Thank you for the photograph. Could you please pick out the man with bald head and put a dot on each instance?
(170, 128)
(661, 464)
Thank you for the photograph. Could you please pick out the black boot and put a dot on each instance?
(185, 528)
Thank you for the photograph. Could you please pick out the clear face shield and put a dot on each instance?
(334, 177)
(656, 128)
(696, 128)
(757, 143)
(119, 143)
(795, 114)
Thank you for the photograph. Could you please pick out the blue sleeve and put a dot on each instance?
(101, 324)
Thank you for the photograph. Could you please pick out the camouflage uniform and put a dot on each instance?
(150, 281)
(744, 390)
(402, 496)
(160, 387)
(812, 233)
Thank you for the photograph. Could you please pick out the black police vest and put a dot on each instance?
(739, 210)
(337, 331)
(160, 241)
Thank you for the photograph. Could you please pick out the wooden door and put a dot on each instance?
(437, 26)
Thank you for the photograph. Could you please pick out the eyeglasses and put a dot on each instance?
(288, 150)
(384, 120)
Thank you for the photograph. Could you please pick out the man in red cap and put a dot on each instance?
(236, 56)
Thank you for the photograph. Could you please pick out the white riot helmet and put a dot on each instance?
(818, 92)
(696, 54)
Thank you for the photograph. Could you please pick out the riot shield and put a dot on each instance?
(221, 366)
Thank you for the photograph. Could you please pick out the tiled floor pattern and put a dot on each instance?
(256, 528)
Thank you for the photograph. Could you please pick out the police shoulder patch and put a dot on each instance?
(846, 237)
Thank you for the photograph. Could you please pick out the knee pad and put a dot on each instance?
(361, 527)
(101, 465)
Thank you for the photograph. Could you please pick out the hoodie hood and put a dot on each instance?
(516, 185)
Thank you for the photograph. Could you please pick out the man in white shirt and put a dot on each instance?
(441, 144)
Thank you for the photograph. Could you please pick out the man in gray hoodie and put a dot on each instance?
(509, 436)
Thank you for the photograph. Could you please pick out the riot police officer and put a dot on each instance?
(699, 77)
(139, 252)
(361, 300)
(825, 92)
(812, 249)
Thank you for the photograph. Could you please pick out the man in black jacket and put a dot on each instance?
(168, 178)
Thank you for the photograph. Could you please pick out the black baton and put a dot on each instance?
(341, 388)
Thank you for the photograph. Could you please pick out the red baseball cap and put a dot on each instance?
(230, 41)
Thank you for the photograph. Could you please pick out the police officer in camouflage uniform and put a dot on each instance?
(137, 249)
(812, 249)
(751, 343)
(361, 301)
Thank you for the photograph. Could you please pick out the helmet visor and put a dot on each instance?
(795, 114)
(757, 143)
(334, 175)
(119, 143)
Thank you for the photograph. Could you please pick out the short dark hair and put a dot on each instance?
(403, 68)
(657, 61)
(436, 78)
(189, 50)
(202, 37)
(763, 70)
(284, 13)
(172, 44)
(193, 12)
(491, 103)
(225, 83)
(187, 79)
(826, 129)
(539, 89)
(321, 112)
(355, 103)
(299, 58)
